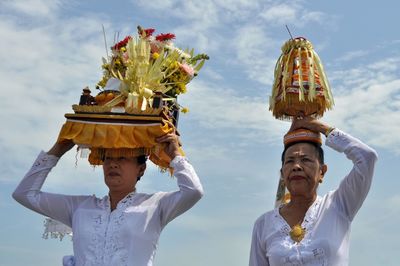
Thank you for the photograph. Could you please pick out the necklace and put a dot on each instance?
(297, 233)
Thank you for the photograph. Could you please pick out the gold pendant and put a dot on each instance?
(297, 233)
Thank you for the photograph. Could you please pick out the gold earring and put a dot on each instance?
(320, 181)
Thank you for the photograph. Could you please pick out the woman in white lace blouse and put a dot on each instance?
(123, 227)
(312, 229)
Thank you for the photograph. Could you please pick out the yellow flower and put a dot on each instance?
(185, 110)
(155, 55)
(175, 64)
(182, 88)
(123, 49)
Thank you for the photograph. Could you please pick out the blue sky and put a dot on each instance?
(50, 50)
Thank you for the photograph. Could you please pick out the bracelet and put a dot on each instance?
(328, 131)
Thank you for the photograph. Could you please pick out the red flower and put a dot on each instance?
(149, 32)
(165, 37)
(122, 43)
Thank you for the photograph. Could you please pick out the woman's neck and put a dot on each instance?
(301, 202)
(296, 209)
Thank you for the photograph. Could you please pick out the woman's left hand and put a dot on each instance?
(310, 123)
(172, 144)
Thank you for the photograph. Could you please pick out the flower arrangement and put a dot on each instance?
(137, 102)
(144, 67)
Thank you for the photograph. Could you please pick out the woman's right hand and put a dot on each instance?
(59, 148)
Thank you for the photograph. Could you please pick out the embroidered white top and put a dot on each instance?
(327, 221)
(126, 236)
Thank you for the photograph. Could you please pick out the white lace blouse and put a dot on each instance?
(126, 236)
(327, 221)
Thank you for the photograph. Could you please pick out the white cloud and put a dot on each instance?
(253, 51)
(280, 14)
(207, 11)
(198, 14)
(352, 55)
(34, 8)
(294, 14)
(385, 66)
(199, 19)
(313, 16)
(239, 10)
(156, 4)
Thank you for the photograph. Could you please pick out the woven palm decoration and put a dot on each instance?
(300, 84)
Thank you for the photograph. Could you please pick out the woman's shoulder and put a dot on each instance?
(265, 223)
(266, 217)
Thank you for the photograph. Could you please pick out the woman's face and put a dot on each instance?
(120, 174)
(301, 170)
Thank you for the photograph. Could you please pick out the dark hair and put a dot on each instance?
(141, 159)
(317, 147)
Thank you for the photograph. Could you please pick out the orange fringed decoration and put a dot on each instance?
(300, 84)
(118, 135)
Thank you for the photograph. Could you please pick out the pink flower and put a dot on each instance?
(187, 69)
(155, 46)
(125, 57)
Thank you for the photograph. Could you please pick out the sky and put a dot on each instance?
(51, 49)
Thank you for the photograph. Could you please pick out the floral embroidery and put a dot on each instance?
(302, 256)
(106, 240)
(307, 224)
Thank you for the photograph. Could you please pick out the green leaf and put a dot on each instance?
(200, 65)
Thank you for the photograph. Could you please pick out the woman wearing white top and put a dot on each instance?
(310, 229)
(122, 228)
